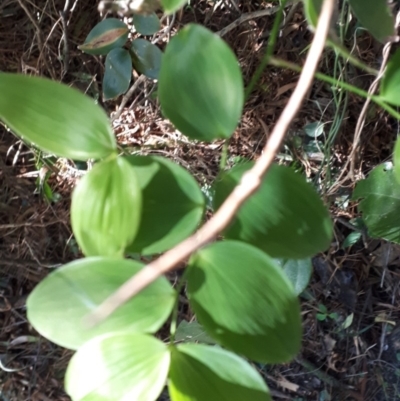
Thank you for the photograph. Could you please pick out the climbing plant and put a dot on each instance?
(244, 288)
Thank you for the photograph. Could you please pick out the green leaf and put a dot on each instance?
(173, 204)
(380, 203)
(315, 129)
(286, 217)
(118, 366)
(376, 17)
(107, 35)
(191, 333)
(351, 239)
(148, 58)
(202, 94)
(390, 85)
(118, 72)
(106, 208)
(396, 159)
(55, 118)
(204, 373)
(170, 6)
(298, 272)
(245, 301)
(59, 303)
(312, 9)
(146, 24)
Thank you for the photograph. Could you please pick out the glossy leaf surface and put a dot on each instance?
(106, 208)
(380, 203)
(148, 58)
(118, 72)
(118, 367)
(245, 301)
(173, 204)
(55, 118)
(298, 272)
(390, 85)
(202, 94)
(146, 24)
(375, 16)
(59, 303)
(285, 218)
(204, 373)
(108, 34)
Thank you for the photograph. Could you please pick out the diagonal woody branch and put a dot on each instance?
(249, 184)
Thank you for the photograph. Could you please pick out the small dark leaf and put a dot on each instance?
(118, 73)
(148, 58)
(146, 24)
(192, 332)
(105, 36)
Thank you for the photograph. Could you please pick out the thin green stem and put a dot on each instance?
(344, 85)
(224, 155)
(268, 52)
(174, 319)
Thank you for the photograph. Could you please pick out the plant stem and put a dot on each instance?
(344, 85)
(174, 318)
(224, 155)
(268, 52)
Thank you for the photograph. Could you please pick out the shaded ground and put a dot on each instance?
(352, 352)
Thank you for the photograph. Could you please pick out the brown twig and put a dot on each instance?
(249, 184)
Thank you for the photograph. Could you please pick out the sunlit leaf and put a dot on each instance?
(146, 24)
(390, 85)
(245, 301)
(108, 34)
(204, 373)
(106, 208)
(118, 72)
(118, 367)
(380, 203)
(192, 332)
(298, 272)
(286, 217)
(59, 303)
(170, 6)
(148, 58)
(173, 204)
(312, 9)
(55, 118)
(375, 16)
(200, 85)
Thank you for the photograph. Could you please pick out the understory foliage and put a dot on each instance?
(243, 289)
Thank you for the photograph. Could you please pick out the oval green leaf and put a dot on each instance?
(298, 272)
(376, 17)
(312, 9)
(380, 203)
(118, 72)
(173, 204)
(116, 367)
(55, 118)
(286, 217)
(171, 6)
(58, 305)
(146, 24)
(148, 58)
(192, 332)
(245, 301)
(105, 36)
(106, 208)
(204, 373)
(390, 85)
(202, 93)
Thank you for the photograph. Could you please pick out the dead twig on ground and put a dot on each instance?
(249, 184)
